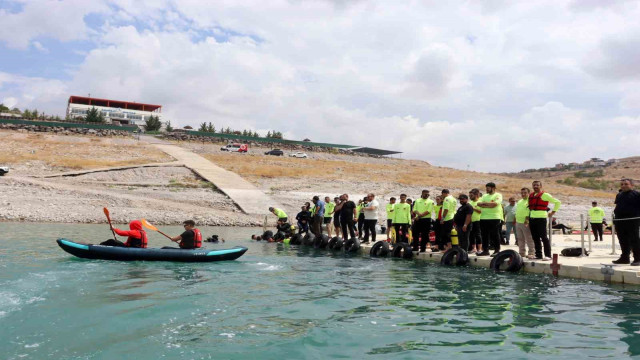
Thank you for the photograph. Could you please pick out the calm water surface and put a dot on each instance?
(286, 303)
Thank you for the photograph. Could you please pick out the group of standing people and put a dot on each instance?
(477, 221)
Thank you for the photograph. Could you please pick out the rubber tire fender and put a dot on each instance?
(403, 250)
(380, 249)
(455, 256)
(325, 242)
(308, 239)
(352, 245)
(516, 261)
(296, 239)
(320, 242)
(335, 243)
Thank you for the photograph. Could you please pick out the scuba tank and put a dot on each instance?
(454, 237)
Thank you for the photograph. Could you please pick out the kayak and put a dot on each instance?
(89, 251)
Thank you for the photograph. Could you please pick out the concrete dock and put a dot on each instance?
(597, 266)
(249, 198)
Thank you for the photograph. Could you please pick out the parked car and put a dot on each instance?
(275, 152)
(4, 170)
(235, 148)
(299, 154)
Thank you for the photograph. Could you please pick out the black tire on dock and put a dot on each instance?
(325, 242)
(513, 259)
(352, 245)
(455, 256)
(308, 239)
(320, 242)
(335, 243)
(380, 249)
(296, 239)
(403, 250)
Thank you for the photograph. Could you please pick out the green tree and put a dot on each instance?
(3, 108)
(34, 114)
(269, 134)
(203, 127)
(94, 116)
(211, 128)
(168, 126)
(57, 118)
(152, 123)
(26, 114)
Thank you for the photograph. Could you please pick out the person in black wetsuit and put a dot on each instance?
(627, 222)
(348, 216)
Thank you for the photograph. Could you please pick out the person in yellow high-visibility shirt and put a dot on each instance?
(538, 214)
(437, 216)
(328, 214)
(389, 208)
(596, 216)
(422, 209)
(523, 233)
(282, 216)
(490, 219)
(449, 204)
(475, 238)
(402, 219)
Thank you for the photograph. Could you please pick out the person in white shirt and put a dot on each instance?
(370, 218)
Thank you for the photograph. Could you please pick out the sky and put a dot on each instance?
(483, 85)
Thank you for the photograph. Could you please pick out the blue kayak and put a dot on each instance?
(89, 251)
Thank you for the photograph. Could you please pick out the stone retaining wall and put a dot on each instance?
(64, 131)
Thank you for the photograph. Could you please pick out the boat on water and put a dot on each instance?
(90, 251)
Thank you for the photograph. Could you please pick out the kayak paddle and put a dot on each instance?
(106, 212)
(146, 224)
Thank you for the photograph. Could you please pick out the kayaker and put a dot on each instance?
(191, 238)
(136, 237)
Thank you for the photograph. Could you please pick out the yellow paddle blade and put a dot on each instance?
(148, 226)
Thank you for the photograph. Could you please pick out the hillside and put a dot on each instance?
(600, 178)
(168, 194)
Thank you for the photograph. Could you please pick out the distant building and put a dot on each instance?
(561, 166)
(595, 162)
(612, 161)
(114, 111)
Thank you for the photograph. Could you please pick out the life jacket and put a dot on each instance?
(197, 240)
(536, 203)
(137, 243)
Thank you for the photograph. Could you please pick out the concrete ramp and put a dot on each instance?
(248, 197)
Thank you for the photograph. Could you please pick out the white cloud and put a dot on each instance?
(498, 85)
(62, 20)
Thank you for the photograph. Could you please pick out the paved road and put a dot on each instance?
(249, 199)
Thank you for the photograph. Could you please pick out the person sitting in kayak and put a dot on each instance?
(136, 237)
(191, 238)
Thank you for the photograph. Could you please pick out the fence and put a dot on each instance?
(65, 124)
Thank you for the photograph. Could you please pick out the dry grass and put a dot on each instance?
(410, 173)
(72, 154)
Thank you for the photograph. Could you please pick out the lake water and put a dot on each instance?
(289, 303)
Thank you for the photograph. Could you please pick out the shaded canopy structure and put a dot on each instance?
(372, 151)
